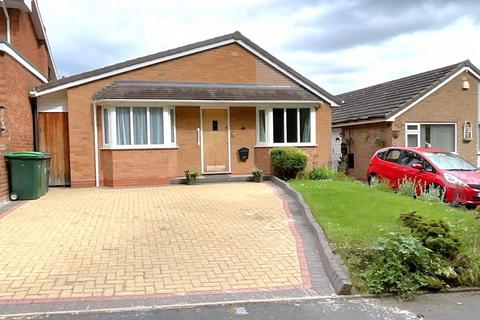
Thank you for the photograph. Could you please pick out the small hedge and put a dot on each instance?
(287, 162)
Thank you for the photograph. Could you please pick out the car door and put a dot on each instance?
(392, 170)
(421, 177)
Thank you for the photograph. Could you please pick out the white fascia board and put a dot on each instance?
(22, 61)
(133, 67)
(285, 72)
(357, 123)
(205, 102)
(410, 106)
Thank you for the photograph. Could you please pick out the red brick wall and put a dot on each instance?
(24, 39)
(187, 121)
(227, 64)
(363, 144)
(138, 167)
(15, 83)
(242, 128)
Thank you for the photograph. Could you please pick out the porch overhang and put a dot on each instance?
(195, 94)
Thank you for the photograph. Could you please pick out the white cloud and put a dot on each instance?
(89, 34)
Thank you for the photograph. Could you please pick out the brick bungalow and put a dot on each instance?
(440, 107)
(146, 120)
(25, 62)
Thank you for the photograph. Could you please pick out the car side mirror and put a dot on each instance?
(417, 166)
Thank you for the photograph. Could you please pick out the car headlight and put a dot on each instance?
(454, 180)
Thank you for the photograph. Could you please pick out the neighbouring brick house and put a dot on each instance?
(146, 120)
(25, 62)
(440, 107)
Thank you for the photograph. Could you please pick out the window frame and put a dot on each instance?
(418, 130)
(169, 140)
(269, 127)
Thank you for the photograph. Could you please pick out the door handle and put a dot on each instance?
(198, 136)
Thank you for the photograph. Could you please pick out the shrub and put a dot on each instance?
(434, 235)
(321, 173)
(432, 193)
(456, 266)
(407, 187)
(257, 175)
(430, 257)
(288, 161)
(381, 185)
(397, 264)
(325, 173)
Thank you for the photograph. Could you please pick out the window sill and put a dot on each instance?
(275, 145)
(139, 147)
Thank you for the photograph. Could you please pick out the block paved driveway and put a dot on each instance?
(90, 243)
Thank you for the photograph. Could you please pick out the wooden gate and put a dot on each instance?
(53, 138)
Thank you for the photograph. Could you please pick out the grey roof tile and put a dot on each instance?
(202, 91)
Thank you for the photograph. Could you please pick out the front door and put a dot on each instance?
(215, 140)
(53, 138)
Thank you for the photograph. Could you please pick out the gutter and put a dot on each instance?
(7, 20)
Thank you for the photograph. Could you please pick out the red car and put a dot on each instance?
(458, 179)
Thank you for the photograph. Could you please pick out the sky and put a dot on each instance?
(341, 45)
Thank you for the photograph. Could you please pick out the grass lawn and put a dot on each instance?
(353, 214)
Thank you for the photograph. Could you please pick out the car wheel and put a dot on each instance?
(13, 197)
(373, 180)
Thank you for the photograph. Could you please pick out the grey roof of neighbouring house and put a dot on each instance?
(202, 91)
(384, 100)
(232, 36)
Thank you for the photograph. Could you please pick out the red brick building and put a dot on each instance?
(25, 62)
(147, 120)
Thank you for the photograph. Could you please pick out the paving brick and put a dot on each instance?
(142, 241)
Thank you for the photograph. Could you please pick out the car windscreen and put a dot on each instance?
(449, 161)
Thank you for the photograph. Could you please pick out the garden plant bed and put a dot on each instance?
(353, 215)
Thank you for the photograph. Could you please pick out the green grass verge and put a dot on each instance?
(353, 215)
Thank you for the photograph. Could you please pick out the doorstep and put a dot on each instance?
(217, 178)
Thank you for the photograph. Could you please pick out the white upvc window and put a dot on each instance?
(437, 135)
(286, 126)
(138, 127)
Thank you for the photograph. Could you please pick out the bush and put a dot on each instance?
(321, 173)
(434, 235)
(381, 185)
(288, 162)
(407, 187)
(324, 173)
(397, 264)
(432, 193)
(431, 257)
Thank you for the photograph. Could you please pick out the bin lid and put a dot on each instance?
(27, 155)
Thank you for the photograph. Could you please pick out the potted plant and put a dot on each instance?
(191, 176)
(257, 175)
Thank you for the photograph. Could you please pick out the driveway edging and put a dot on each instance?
(334, 267)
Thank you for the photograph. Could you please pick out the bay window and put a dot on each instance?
(138, 127)
(285, 126)
(438, 135)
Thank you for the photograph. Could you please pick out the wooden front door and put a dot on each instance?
(215, 140)
(53, 138)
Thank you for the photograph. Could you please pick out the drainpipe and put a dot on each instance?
(7, 20)
(95, 143)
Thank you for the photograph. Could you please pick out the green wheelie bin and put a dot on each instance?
(28, 174)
